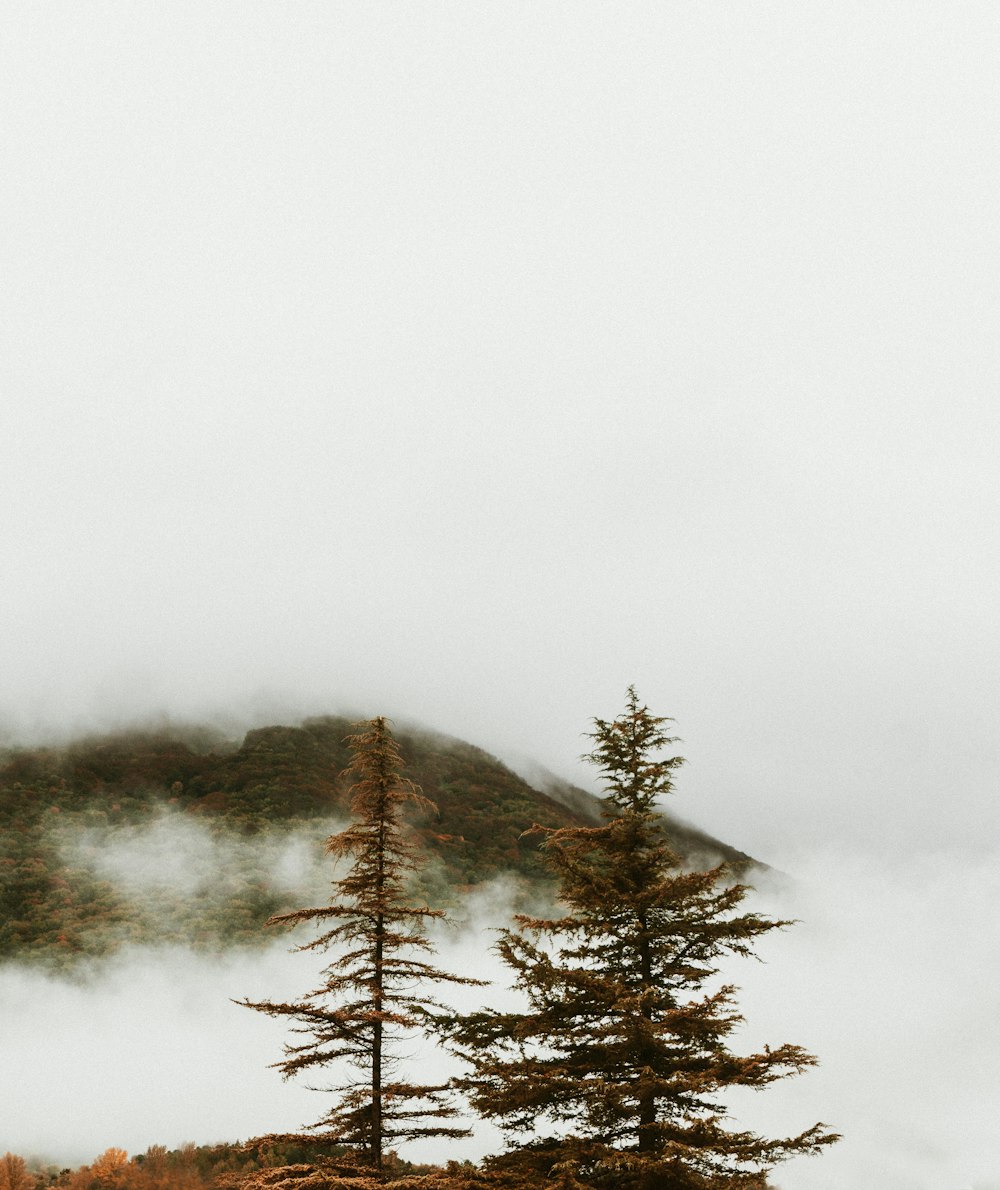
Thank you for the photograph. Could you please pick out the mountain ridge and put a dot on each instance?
(208, 823)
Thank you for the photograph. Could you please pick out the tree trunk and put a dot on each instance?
(377, 1050)
(647, 1100)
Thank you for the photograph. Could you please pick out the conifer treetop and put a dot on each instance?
(626, 754)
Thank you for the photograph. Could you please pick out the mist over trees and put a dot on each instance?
(183, 836)
(615, 1074)
(612, 1072)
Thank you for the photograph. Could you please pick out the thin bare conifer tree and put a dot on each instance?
(375, 989)
(615, 1073)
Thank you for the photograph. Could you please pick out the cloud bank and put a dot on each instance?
(888, 978)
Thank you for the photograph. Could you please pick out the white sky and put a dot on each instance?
(467, 362)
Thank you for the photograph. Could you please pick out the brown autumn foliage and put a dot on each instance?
(615, 1075)
(206, 1167)
(339, 1176)
(14, 1174)
(374, 990)
(156, 1169)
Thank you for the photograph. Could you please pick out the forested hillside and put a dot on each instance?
(186, 837)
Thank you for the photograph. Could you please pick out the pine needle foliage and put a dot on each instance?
(615, 1073)
(374, 991)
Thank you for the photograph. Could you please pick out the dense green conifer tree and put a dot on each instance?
(615, 1074)
(375, 989)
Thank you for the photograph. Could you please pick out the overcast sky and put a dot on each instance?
(468, 362)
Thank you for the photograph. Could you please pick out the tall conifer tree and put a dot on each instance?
(374, 991)
(615, 1074)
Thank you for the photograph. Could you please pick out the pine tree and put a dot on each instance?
(374, 990)
(615, 1074)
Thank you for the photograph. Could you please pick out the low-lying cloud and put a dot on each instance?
(178, 854)
(889, 977)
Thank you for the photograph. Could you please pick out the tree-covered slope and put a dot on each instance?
(183, 837)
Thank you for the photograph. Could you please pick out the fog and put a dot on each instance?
(178, 858)
(890, 979)
(467, 363)
(887, 977)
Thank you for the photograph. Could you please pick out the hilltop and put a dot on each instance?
(184, 836)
